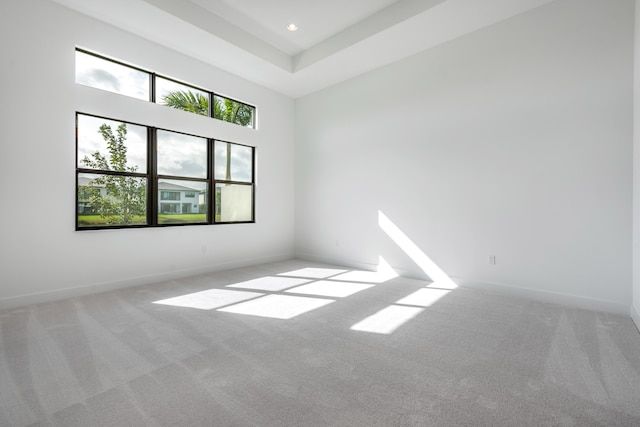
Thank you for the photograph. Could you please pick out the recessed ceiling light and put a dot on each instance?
(292, 27)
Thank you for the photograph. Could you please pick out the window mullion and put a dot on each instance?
(152, 168)
(152, 87)
(211, 206)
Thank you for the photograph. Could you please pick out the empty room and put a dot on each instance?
(320, 213)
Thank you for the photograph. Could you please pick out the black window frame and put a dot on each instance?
(235, 182)
(152, 89)
(152, 177)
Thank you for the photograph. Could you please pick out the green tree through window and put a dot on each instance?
(118, 198)
(224, 109)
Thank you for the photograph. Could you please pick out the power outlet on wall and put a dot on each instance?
(492, 259)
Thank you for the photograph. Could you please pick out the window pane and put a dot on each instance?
(181, 155)
(108, 200)
(233, 111)
(234, 202)
(107, 75)
(181, 97)
(110, 145)
(182, 202)
(233, 162)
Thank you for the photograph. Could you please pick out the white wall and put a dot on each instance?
(42, 256)
(514, 141)
(635, 308)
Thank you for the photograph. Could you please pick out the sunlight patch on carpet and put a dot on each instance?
(423, 297)
(328, 288)
(209, 299)
(278, 306)
(387, 320)
(270, 283)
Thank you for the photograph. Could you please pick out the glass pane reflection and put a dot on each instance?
(234, 203)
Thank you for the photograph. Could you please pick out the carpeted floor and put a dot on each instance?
(300, 344)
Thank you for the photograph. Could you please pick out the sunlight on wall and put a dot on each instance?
(439, 277)
(390, 318)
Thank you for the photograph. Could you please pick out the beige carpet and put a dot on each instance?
(300, 344)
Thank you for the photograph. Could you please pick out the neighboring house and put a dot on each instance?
(172, 198)
(84, 195)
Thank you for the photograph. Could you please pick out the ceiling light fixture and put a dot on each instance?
(292, 27)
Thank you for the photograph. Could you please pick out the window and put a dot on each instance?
(182, 97)
(130, 175)
(112, 178)
(234, 182)
(107, 74)
(233, 111)
(169, 195)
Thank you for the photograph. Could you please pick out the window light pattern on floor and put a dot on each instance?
(314, 273)
(387, 320)
(327, 288)
(390, 318)
(424, 297)
(318, 287)
(278, 306)
(268, 283)
(209, 299)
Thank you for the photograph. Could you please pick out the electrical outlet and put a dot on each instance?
(204, 248)
(492, 259)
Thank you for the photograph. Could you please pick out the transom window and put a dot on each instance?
(108, 74)
(129, 175)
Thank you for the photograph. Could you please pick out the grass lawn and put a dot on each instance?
(97, 220)
(181, 218)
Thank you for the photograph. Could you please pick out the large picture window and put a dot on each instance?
(130, 175)
(114, 76)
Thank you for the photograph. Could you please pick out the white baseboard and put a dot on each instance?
(336, 262)
(527, 293)
(533, 294)
(635, 316)
(548, 297)
(59, 294)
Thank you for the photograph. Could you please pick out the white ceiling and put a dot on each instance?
(317, 19)
(336, 40)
